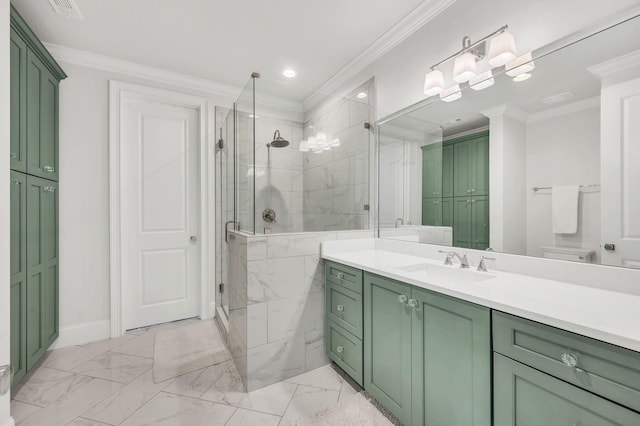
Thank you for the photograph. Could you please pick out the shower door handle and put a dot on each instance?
(226, 230)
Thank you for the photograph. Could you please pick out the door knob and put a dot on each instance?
(193, 239)
(610, 247)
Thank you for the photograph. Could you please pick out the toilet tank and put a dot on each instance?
(568, 253)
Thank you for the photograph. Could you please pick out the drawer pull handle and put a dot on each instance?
(340, 308)
(340, 349)
(402, 298)
(571, 361)
(340, 276)
(413, 303)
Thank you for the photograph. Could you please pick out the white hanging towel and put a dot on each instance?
(564, 208)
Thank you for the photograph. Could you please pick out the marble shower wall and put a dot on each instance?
(236, 287)
(336, 182)
(278, 176)
(285, 305)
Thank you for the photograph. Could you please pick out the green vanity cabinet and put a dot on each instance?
(35, 78)
(437, 211)
(525, 396)
(447, 171)
(387, 344)
(427, 357)
(432, 168)
(451, 361)
(18, 270)
(343, 318)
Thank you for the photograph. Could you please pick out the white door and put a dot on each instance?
(620, 172)
(160, 212)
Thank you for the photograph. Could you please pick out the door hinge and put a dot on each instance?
(221, 287)
(367, 125)
(220, 143)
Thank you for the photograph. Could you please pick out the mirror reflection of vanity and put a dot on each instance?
(499, 168)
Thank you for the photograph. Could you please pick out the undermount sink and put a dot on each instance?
(444, 274)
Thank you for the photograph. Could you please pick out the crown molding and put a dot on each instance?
(404, 28)
(110, 64)
(615, 65)
(506, 110)
(557, 111)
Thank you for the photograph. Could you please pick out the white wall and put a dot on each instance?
(563, 150)
(84, 198)
(4, 199)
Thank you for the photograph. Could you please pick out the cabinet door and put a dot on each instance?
(387, 344)
(18, 232)
(18, 99)
(480, 222)
(447, 212)
(451, 361)
(480, 181)
(447, 171)
(463, 167)
(462, 226)
(42, 267)
(524, 396)
(42, 120)
(432, 211)
(432, 171)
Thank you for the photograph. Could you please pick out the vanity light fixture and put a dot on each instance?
(482, 81)
(451, 94)
(502, 49)
(318, 143)
(521, 65)
(522, 77)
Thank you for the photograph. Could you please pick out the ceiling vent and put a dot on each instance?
(66, 8)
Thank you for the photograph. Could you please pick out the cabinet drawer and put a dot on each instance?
(524, 396)
(344, 307)
(344, 275)
(601, 368)
(345, 350)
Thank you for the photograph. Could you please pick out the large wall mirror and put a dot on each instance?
(545, 166)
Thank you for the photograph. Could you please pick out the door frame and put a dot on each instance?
(118, 92)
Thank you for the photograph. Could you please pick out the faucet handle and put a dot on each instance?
(464, 261)
(482, 267)
(447, 260)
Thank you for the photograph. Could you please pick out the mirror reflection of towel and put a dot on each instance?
(564, 208)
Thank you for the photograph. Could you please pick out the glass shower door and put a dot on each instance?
(227, 203)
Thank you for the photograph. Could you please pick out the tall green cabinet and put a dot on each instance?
(455, 188)
(35, 78)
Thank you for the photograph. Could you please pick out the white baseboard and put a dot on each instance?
(79, 334)
(10, 422)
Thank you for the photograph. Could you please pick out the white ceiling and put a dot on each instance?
(225, 41)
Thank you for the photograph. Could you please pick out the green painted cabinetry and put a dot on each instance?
(471, 222)
(427, 357)
(35, 78)
(432, 178)
(18, 271)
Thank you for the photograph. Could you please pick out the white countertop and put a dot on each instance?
(610, 316)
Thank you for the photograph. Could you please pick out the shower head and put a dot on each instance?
(278, 141)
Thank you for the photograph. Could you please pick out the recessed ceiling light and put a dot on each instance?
(289, 73)
(361, 95)
(522, 77)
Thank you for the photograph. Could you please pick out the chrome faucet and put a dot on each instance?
(464, 262)
(482, 267)
(401, 221)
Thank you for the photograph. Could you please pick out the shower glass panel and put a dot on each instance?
(245, 158)
(226, 207)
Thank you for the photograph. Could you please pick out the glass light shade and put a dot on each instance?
(521, 65)
(318, 151)
(304, 146)
(464, 68)
(321, 137)
(522, 77)
(482, 81)
(312, 143)
(433, 82)
(502, 49)
(335, 142)
(451, 94)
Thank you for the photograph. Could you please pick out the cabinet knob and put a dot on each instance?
(15, 182)
(340, 308)
(49, 169)
(49, 189)
(13, 155)
(402, 298)
(571, 361)
(413, 303)
(340, 349)
(340, 276)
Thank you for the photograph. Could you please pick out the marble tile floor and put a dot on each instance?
(110, 382)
